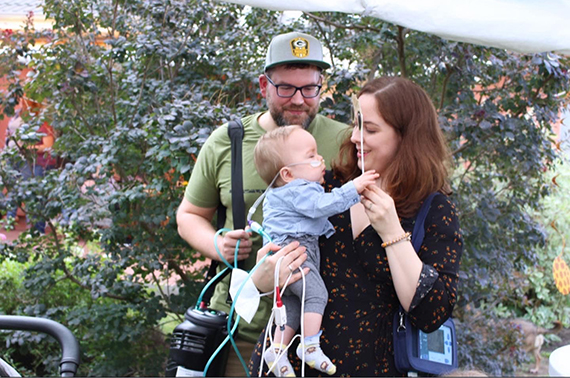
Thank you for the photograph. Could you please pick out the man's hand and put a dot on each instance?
(227, 245)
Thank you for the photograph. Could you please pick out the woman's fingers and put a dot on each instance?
(285, 251)
(290, 265)
(269, 247)
(293, 255)
(263, 275)
(298, 276)
(374, 193)
(295, 259)
(374, 196)
(368, 198)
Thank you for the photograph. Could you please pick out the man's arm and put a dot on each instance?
(195, 226)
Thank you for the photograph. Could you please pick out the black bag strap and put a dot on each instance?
(419, 230)
(235, 133)
(400, 321)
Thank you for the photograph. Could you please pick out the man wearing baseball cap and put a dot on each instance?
(291, 84)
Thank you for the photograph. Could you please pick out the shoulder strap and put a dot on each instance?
(419, 231)
(402, 338)
(401, 321)
(235, 132)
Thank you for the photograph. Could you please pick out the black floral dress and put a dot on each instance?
(357, 324)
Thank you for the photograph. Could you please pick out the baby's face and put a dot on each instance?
(302, 158)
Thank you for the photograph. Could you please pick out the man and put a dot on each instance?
(291, 85)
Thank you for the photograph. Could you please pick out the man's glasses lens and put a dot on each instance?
(286, 90)
(289, 90)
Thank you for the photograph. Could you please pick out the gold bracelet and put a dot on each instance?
(407, 236)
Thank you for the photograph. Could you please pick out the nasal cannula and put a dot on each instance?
(359, 122)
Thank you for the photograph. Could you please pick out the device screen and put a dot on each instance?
(436, 346)
(435, 341)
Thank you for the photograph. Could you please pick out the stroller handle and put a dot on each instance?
(68, 342)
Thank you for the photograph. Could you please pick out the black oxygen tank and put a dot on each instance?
(195, 340)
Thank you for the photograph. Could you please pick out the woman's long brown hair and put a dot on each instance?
(421, 163)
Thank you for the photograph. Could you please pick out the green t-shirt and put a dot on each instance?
(210, 185)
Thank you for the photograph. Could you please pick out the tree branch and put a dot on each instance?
(157, 282)
(401, 51)
(327, 42)
(176, 267)
(444, 86)
(376, 59)
(74, 279)
(341, 26)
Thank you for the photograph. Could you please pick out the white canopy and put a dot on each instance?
(525, 26)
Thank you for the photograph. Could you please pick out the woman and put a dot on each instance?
(367, 282)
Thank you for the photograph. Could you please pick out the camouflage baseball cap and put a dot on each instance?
(295, 47)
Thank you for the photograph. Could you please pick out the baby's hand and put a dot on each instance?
(365, 179)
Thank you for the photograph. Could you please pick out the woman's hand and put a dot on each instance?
(366, 179)
(294, 256)
(381, 212)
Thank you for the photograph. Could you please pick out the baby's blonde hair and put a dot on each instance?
(268, 153)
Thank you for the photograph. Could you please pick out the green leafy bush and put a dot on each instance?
(542, 302)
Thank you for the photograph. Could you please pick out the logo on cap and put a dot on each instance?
(300, 47)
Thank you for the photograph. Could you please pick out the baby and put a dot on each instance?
(297, 208)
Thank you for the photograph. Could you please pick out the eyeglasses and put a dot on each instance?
(288, 91)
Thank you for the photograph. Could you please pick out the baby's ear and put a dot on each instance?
(286, 175)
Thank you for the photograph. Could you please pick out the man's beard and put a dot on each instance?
(281, 120)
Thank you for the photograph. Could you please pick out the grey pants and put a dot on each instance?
(316, 294)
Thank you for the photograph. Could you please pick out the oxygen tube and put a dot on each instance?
(232, 328)
(279, 315)
(199, 345)
(277, 308)
(202, 306)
